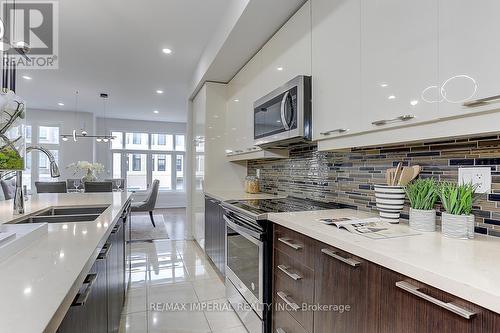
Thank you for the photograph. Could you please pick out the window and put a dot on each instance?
(162, 142)
(28, 134)
(117, 142)
(48, 135)
(137, 141)
(141, 158)
(37, 165)
(161, 163)
(136, 162)
(163, 170)
(179, 143)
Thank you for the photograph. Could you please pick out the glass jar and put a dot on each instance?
(252, 184)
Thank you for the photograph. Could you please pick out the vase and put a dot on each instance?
(423, 220)
(390, 202)
(89, 177)
(457, 226)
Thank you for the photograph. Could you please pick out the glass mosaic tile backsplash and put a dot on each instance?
(348, 177)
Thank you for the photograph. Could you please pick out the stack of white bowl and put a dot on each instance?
(390, 202)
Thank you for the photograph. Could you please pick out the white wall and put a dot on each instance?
(166, 199)
(67, 121)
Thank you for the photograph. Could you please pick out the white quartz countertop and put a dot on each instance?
(223, 195)
(469, 269)
(38, 284)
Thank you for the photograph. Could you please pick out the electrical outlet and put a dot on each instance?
(479, 176)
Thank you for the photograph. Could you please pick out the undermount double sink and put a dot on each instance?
(65, 215)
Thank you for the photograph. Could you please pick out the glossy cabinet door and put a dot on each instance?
(288, 53)
(469, 54)
(399, 62)
(243, 90)
(336, 70)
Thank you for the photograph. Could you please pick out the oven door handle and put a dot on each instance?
(251, 235)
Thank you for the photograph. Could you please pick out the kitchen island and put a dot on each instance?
(39, 284)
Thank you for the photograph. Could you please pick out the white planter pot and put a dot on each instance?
(457, 226)
(423, 220)
(390, 202)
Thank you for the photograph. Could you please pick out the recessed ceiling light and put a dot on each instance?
(391, 97)
(26, 77)
(156, 111)
(383, 85)
(159, 91)
(236, 100)
(166, 51)
(414, 102)
(65, 138)
(279, 68)
(60, 104)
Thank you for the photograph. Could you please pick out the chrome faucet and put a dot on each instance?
(19, 196)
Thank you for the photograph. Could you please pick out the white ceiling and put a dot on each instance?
(114, 46)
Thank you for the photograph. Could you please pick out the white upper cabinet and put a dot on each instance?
(469, 55)
(336, 75)
(399, 62)
(243, 90)
(288, 53)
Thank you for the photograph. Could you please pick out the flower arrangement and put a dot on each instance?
(90, 170)
(12, 142)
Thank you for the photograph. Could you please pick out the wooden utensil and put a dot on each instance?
(416, 171)
(406, 176)
(397, 174)
(388, 176)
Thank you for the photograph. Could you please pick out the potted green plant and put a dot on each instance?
(423, 195)
(457, 200)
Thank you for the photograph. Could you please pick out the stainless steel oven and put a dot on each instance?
(284, 115)
(248, 279)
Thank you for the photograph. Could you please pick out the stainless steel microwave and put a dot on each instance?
(283, 116)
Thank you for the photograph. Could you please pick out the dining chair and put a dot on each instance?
(92, 187)
(148, 204)
(51, 187)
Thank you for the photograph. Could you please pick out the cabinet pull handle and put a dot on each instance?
(481, 101)
(80, 299)
(405, 117)
(285, 270)
(406, 286)
(350, 261)
(338, 130)
(238, 151)
(116, 228)
(104, 252)
(288, 302)
(286, 241)
(280, 330)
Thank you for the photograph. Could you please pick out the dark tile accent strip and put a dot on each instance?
(481, 230)
(491, 221)
(463, 161)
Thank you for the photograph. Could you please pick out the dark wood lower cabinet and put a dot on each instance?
(88, 312)
(215, 231)
(361, 296)
(98, 305)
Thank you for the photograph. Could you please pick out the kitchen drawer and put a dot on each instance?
(300, 279)
(284, 323)
(291, 300)
(295, 245)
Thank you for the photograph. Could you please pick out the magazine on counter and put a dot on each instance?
(373, 227)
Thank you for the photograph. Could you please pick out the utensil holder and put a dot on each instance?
(457, 226)
(390, 202)
(423, 220)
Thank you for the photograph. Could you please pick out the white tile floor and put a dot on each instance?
(170, 272)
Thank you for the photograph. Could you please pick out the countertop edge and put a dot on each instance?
(58, 316)
(465, 291)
